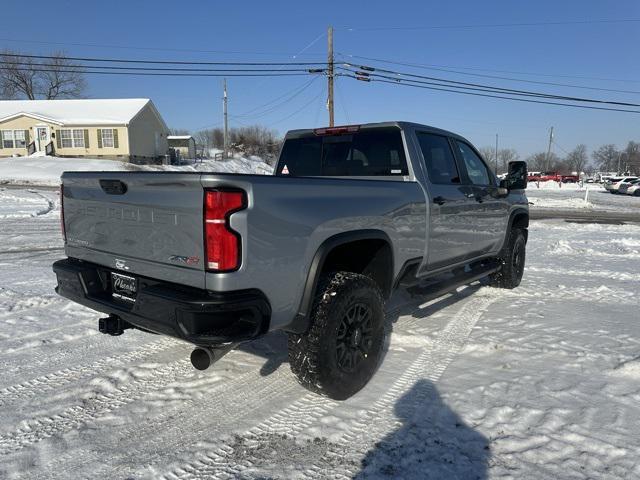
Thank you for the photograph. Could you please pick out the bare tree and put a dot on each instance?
(537, 162)
(631, 157)
(606, 157)
(26, 77)
(489, 154)
(576, 159)
(505, 156)
(179, 131)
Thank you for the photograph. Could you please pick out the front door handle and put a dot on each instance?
(439, 200)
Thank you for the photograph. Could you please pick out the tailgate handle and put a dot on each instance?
(113, 187)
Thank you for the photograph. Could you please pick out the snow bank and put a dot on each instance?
(46, 171)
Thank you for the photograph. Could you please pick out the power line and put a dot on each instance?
(153, 69)
(171, 62)
(278, 105)
(158, 49)
(167, 74)
(492, 25)
(322, 91)
(279, 97)
(443, 82)
(435, 67)
(537, 82)
(493, 96)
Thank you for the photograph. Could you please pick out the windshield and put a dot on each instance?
(374, 152)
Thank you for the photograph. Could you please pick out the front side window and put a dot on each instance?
(20, 139)
(66, 139)
(72, 138)
(439, 159)
(107, 137)
(476, 169)
(7, 138)
(372, 152)
(78, 138)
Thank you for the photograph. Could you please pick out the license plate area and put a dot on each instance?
(124, 287)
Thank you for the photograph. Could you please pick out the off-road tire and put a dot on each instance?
(317, 357)
(513, 258)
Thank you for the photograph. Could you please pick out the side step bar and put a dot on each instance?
(434, 288)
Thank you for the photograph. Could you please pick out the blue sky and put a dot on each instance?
(578, 54)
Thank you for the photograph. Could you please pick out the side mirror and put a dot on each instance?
(517, 176)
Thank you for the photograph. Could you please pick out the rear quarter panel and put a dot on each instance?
(288, 218)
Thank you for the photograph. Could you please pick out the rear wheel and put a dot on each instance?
(344, 344)
(513, 259)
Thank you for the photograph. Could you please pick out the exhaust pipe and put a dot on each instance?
(203, 357)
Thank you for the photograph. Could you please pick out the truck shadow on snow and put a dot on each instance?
(433, 442)
(273, 346)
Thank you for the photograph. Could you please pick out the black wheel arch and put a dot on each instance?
(384, 266)
(519, 218)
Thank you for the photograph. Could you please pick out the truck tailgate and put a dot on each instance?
(148, 224)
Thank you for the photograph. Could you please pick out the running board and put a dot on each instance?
(434, 289)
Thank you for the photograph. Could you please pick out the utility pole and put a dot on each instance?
(330, 75)
(619, 158)
(549, 149)
(496, 169)
(226, 126)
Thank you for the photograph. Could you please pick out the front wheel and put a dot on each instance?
(513, 260)
(341, 351)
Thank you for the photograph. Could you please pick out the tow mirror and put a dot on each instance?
(517, 176)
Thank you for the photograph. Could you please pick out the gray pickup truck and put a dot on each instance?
(350, 214)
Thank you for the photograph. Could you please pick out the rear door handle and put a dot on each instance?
(439, 200)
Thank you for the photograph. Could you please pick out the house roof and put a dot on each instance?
(179, 137)
(116, 111)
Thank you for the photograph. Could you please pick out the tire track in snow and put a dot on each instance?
(379, 420)
(291, 420)
(307, 410)
(45, 383)
(93, 408)
(225, 404)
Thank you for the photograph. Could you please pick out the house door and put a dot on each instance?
(42, 138)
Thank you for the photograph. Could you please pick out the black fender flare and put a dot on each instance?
(300, 322)
(518, 212)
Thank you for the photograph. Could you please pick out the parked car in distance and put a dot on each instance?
(634, 189)
(614, 185)
(624, 186)
(350, 214)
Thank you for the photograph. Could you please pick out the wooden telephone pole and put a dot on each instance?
(330, 75)
(549, 149)
(225, 142)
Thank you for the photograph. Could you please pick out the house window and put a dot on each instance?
(13, 139)
(19, 138)
(107, 137)
(7, 138)
(72, 138)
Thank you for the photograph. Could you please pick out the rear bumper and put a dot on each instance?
(197, 316)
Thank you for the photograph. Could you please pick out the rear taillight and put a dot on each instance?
(64, 233)
(221, 243)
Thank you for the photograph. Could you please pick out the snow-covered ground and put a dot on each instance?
(538, 382)
(46, 171)
(550, 195)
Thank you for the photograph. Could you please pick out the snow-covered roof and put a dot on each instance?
(113, 111)
(179, 137)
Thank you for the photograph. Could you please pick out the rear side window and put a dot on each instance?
(476, 169)
(375, 152)
(441, 165)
